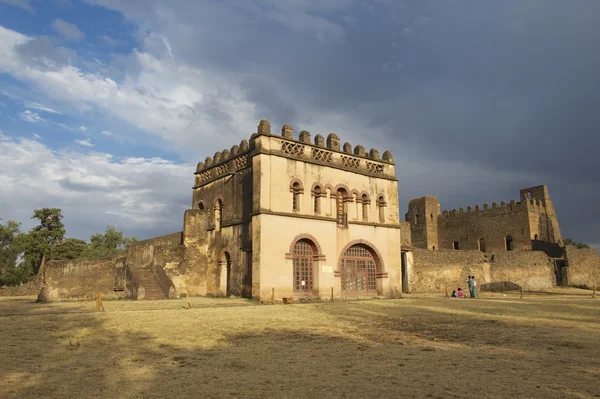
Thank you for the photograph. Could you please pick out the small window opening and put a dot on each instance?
(431, 217)
(482, 244)
(536, 237)
(509, 243)
(455, 245)
(201, 205)
(218, 215)
(365, 207)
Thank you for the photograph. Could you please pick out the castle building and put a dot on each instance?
(278, 217)
(528, 224)
(304, 218)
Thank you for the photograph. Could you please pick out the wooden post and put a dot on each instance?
(594, 293)
(99, 305)
(272, 296)
(331, 294)
(521, 289)
(187, 300)
(447, 296)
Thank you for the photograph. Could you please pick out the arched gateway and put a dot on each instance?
(360, 266)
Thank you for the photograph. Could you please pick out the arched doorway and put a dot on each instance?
(303, 255)
(224, 283)
(359, 269)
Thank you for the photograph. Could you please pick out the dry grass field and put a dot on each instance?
(496, 347)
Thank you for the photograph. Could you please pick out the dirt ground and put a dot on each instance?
(429, 346)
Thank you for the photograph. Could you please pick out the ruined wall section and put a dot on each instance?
(423, 215)
(141, 253)
(493, 225)
(583, 266)
(406, 241)
(434, 271)
(77, 279)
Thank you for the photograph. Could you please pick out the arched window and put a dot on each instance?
(342, 208)
(381, 204)
(482, 244)
(303, 256)
(359, 270)
(296, 188)
(455, 245)
(416, 219)
(509, 243)
(431, 217)
(536, 237)
(201, 205)
(296, 196)
(317, 199)
(218, 214)
(365, 207)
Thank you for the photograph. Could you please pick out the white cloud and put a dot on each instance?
(32, 117)
(85, 143)
(67, 29)
(82, 129)
(107, 133)
(168, 99)
(40, 107)
(24, 4)
(143, 196)
(36, 136)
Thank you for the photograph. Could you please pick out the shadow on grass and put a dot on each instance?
(384, 349)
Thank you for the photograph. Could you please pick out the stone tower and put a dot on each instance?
(423, 218)
(543, 223)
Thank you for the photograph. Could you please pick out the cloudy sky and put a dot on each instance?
(106, 105)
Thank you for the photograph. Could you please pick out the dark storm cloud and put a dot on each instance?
(476, 98)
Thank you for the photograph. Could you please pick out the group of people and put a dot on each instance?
(472, 289)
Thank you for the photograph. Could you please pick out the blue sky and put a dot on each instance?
(106, 105)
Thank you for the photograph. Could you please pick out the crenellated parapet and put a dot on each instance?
(504, 207)
(325, 151)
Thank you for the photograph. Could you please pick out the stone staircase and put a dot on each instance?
(148, 281)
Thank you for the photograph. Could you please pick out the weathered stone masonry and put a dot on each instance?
(307, 217)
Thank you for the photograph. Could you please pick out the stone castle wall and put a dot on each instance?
(485, 229)
(583, 266)
(434, 271)
(76, 279)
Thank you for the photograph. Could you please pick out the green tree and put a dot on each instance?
(70, 248)
(10, 249)
(40, 240)
(570, 241)
(105, 244)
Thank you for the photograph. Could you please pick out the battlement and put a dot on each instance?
(533, 199)
(323, 151)
(504, 207)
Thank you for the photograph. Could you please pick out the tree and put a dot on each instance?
(70, 248)
(570, 241)
(43, 237)
(10, 249)
(105, 244)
